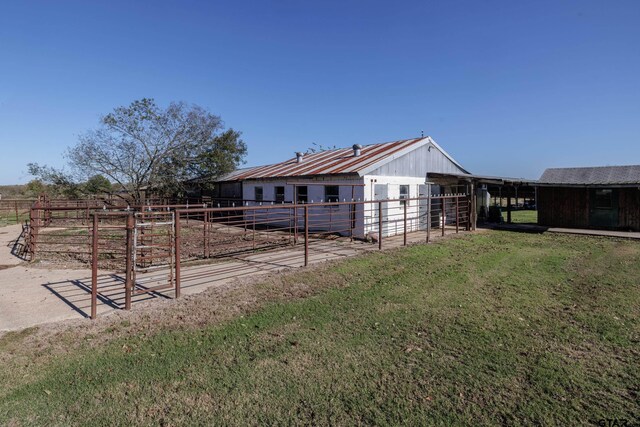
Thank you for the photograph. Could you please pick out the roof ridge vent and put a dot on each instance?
(299, 156)
(356, 150)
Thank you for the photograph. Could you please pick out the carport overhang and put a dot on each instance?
(502, 187)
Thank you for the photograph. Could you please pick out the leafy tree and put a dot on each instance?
(97, 184)
(143, 146)
(35, 187)
(57, 181)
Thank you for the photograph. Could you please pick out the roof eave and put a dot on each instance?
(312, 176)
(625, 185)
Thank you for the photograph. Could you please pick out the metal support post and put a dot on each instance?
(405, 222)
(380, 225)
(94, 268)
(429, 215)
(177, 251)
(205, 239)
(306, 235)
(457, 214)
(128, 286)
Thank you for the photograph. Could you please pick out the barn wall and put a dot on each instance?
(315, 188)
(393, 211)
(569, 207)
(227, 190)
(629, 208)
(418, 163)
(334, 218)
(563, 207)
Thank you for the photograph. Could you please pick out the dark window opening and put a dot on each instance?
(301, 194)
(258, 195)
(404, 193)
(604, 199)
(279, 194)
(331, 193)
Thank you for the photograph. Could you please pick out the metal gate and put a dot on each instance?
(148, 254)
(153, 252)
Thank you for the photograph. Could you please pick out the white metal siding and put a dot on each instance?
(418, 163)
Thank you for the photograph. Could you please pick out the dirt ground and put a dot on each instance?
(8, 236)
(26, 296)
(40, 293)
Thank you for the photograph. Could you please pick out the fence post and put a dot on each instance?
(428, 217)
(94, 268)
(177, 251)
(474, 208)
(457, 214)
(205, 240)
(34, 226)
(379, 225)
(405, 222)
(468, 222)
(443, 214)
(352, 219)
(128, 285)
(253, 228)
(295, 224)
(306, 235)
(17, 216)
(47, 212)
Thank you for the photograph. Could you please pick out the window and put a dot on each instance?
(301, 194)
(604, 199)
(331, 193)
(404, 193)
(258, 194)
(279, 194)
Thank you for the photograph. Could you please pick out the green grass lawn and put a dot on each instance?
(7, 218)
(491, 329)
(523, 216)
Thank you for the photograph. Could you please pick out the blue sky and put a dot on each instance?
(507, 87)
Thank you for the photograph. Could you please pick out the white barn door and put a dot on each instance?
(423, 206)
(380, 192)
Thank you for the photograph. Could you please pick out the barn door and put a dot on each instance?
(381, 192)
(603, 208)
(437, 206)
(423, 206)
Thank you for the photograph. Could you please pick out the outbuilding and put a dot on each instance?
(605, 197)
(385, 171)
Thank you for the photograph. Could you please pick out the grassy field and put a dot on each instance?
(491, 329)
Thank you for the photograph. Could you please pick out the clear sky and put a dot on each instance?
(507, 87)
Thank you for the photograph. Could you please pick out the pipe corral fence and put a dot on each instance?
(163, 238)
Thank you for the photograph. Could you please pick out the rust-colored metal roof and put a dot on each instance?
(332, 162)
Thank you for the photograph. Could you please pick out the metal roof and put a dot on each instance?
(601, 175)
(227, 177)
(337, 161)
(233, 176)
(484, 179)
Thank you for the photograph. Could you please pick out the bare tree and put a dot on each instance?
(142, 146)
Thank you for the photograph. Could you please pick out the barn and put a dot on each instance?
(384, 171)
(606, 197)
